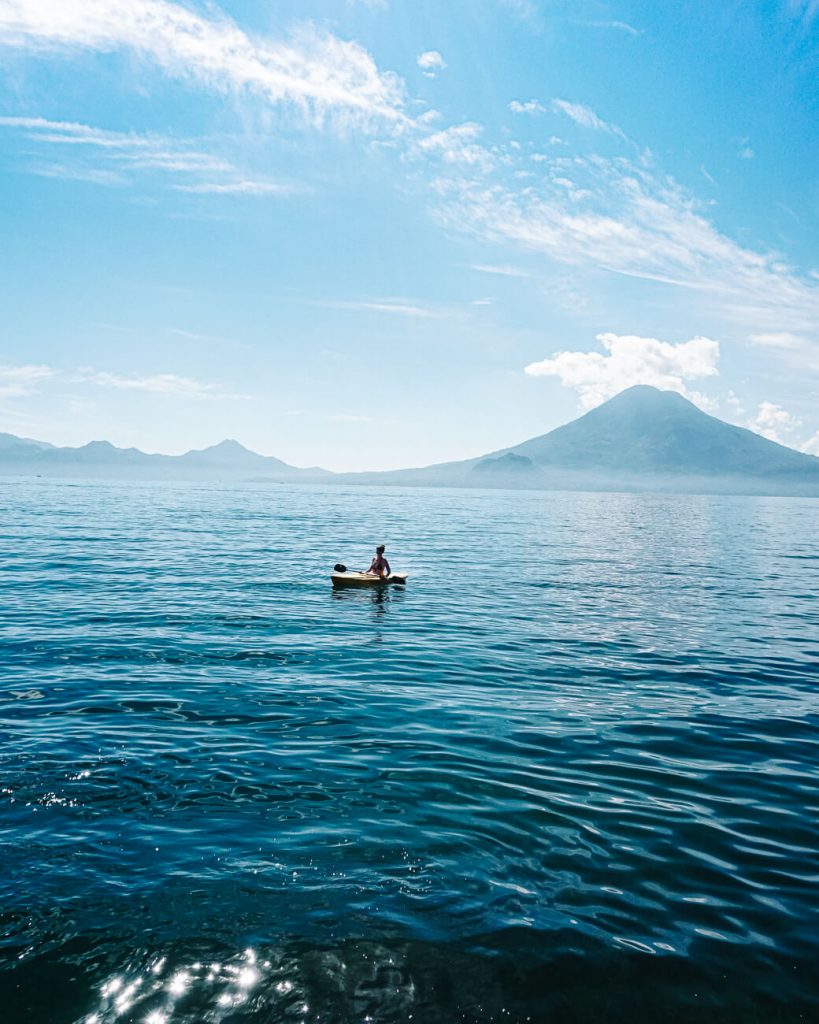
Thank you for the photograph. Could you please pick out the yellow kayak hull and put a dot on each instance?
(366, 579)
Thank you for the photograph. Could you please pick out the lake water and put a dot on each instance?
(569, 773)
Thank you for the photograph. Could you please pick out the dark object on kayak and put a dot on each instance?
(338, 567)
(366, 579)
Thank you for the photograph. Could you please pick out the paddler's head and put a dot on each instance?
(380, 549)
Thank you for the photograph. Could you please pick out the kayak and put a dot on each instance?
(366, 579)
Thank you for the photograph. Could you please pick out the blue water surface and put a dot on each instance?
(569, 773)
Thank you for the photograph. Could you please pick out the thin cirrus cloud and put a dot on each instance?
(21, 381)
(779, 339)
(243, 187)
(394, 307)
(93, 175)
(585, 117)
(625, 218)
(627, 360)
(618, 26)
(158, 383)
(113, 158)
(315, 72)
(502, 270)
(582, 115)
(132, 149)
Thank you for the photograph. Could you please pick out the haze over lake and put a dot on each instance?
(568, 773)
(642, 439)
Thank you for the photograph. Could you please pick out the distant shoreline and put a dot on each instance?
(643, 439)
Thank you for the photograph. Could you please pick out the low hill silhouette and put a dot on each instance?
(642, 439)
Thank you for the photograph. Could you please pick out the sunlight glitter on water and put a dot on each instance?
(150, 992)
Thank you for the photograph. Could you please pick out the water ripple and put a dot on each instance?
(569, 773)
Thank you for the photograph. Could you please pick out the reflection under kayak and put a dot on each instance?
(366, 579)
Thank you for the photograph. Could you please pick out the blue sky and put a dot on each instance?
(369, 234)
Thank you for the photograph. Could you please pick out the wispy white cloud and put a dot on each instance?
(128, 149)
(314, 72)
(708, 177)
(628, 360)
(527, 107)
(93, 175)
(19, 381)
(585, 117)
(618, 26)
(623, 217)
(571, 187)
(157, 383)
(811, 446)
(502, 270)
(779, 339)
(114, 158)
(458, 145)
(773, 422)
(397, 307)
(244, 187)
(431, 62)
(195, 336)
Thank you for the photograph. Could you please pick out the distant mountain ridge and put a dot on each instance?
(11, 441)
(642, 439)
(228, 459)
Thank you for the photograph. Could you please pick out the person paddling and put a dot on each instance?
(380, 566)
